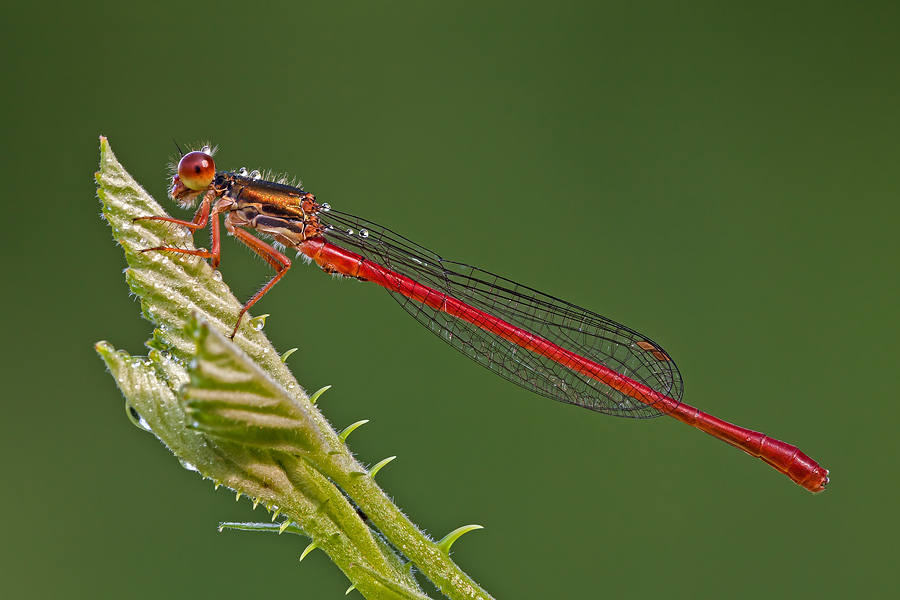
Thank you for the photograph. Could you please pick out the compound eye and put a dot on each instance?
(196, 170)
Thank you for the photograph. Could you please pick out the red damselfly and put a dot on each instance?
(539, 342)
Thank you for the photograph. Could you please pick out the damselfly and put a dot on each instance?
(539, 342)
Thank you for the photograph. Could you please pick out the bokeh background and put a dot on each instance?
(720, 176)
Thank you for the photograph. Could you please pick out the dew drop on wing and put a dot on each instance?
(255, 174)
(243, 172)
(363, 233)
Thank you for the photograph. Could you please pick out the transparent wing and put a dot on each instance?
(578, 330)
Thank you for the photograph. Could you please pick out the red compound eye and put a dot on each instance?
(196, 170)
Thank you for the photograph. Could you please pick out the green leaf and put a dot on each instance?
(173, 286)
(230, 398)
(233, 412)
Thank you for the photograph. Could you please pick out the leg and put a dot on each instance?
(276, 260)
(201, 218)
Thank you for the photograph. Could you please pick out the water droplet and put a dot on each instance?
(126, 226)
(349, 231)
(255, 174)
(364, 233)
(259, 322)
(242, 171)
(217, 276)
(206, 150)
(137, 419)
(188, 466)
(325, 207)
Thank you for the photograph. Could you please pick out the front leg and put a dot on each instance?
(203, 216)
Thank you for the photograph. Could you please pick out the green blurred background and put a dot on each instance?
(720, 176)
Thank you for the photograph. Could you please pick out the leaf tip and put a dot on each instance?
(374, 470)
(309, 549)
(450, 538)
(350, 429)
(315, 397)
